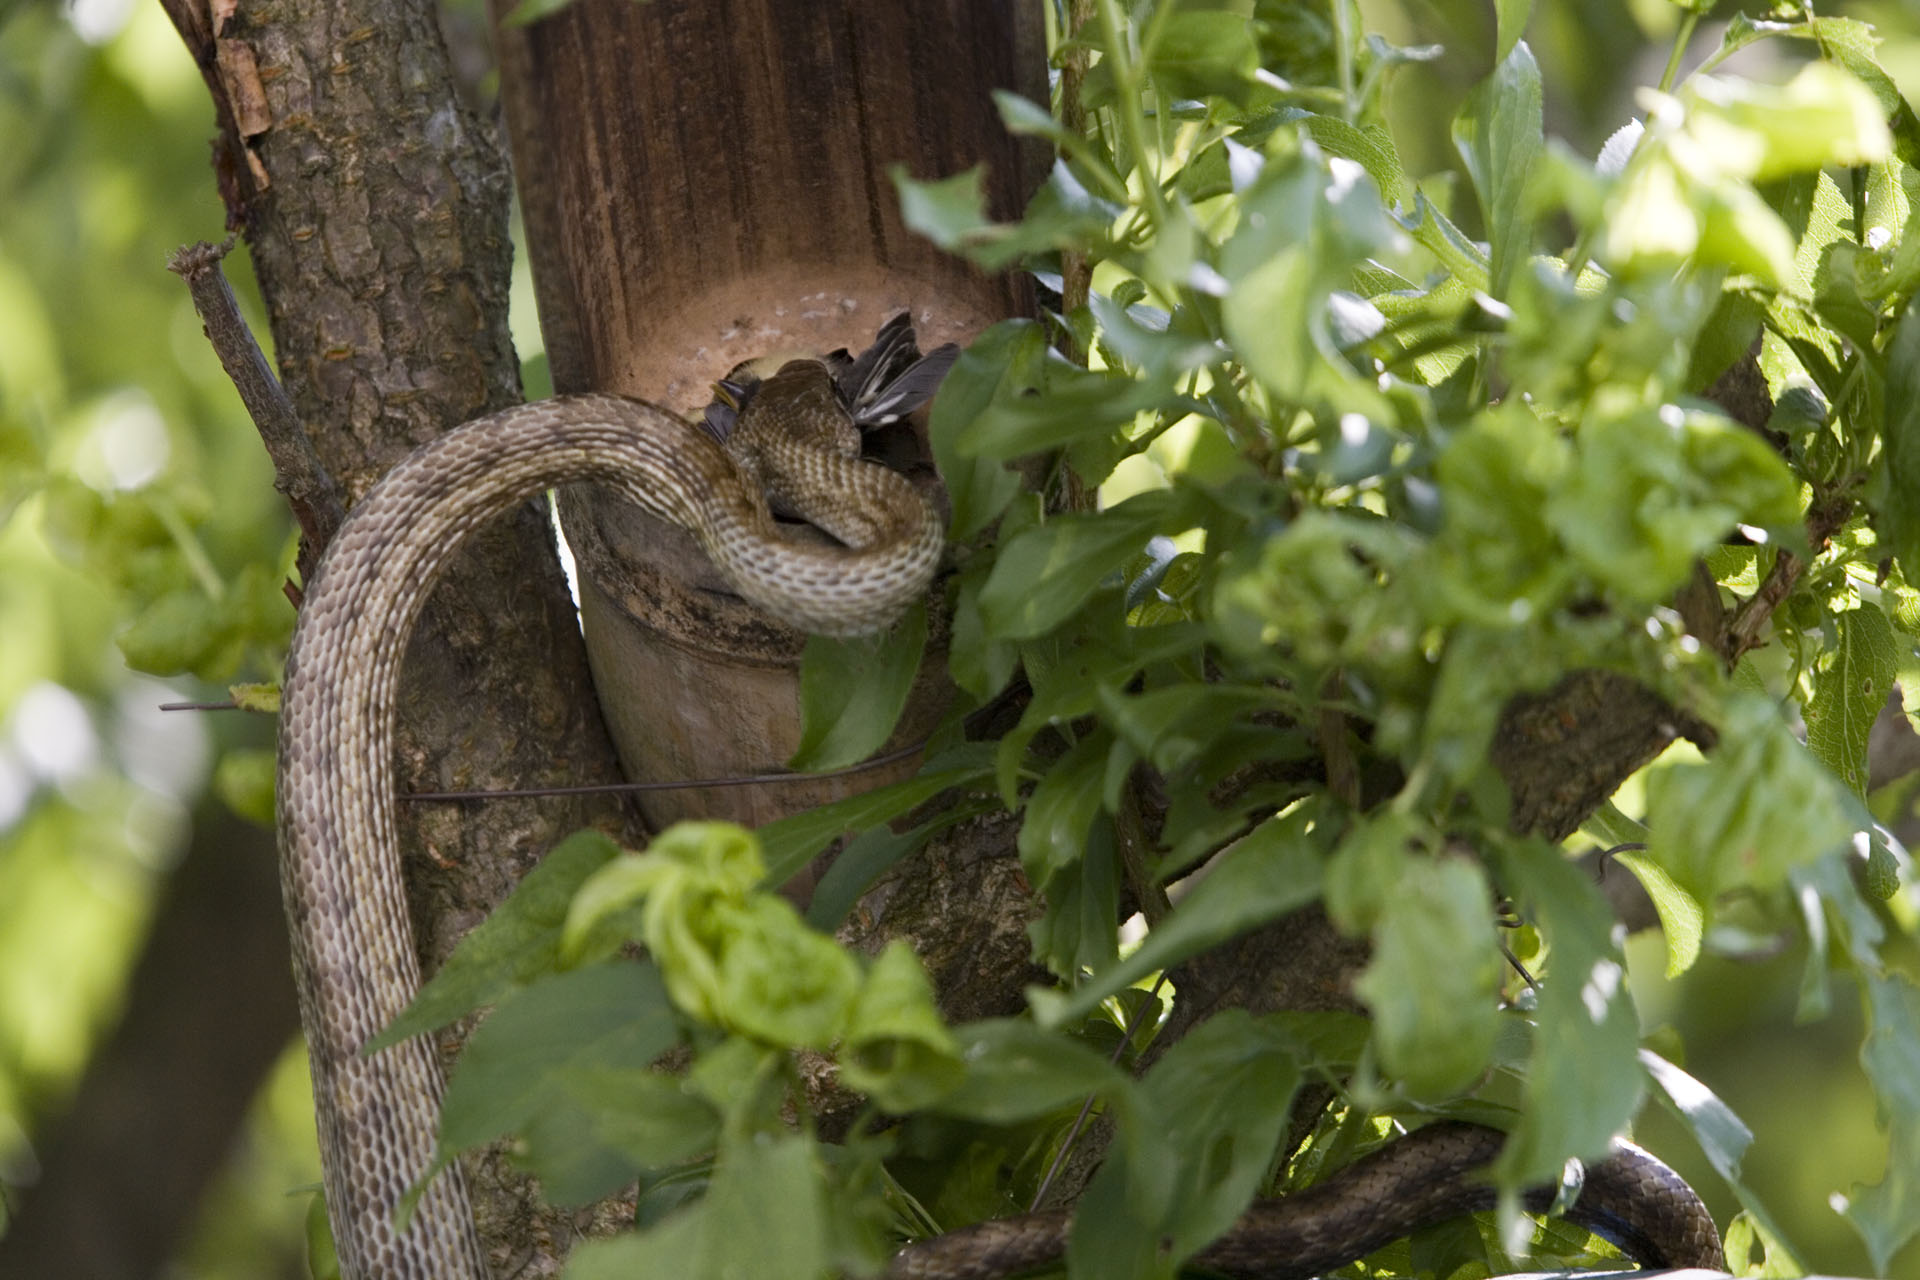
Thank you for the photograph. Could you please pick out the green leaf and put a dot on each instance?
(1046, 573)
(853, 691)
(182, 631)
(1200, 53)
(1887, 1214)
(1272, 870)
(1225, 1091)
(1305, 225)
(1170, 727)
(952, 213)
(1821, 117)
(767, 1200)
(866, 858)
(1582, 1085)
(1370, 146)
(609, 1015)
(897, 1050)
(1053, 834)
(1369, 866)
(1510, 19)
(791, 843)
(1498, 134)
(1849, 692)
(1496, 547)
(1000, 364)
(1896, 475)
(1076, 933)
(661, 1252)
(1654, 490)
(1212, 1112)
(1433, 978)
(518, 943)
(1682, 919)
(1759, 806)
(603, 1125)
(1017, 1072)
(1074, 406)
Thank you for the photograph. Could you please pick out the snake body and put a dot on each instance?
(1426, 1177)
(354, 960)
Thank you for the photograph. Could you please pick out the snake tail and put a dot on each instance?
(1429, 1176)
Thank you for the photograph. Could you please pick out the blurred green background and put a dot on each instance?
(129, 475)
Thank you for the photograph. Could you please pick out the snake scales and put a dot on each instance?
(354, 958)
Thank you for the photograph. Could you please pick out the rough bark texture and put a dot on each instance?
(375, 206)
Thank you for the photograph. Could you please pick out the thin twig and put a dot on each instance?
(1086, 1108)
(297, 470)
(691, 784)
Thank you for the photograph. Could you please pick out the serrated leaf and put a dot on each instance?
(518, 943)
(1849, 692)
(852, 692)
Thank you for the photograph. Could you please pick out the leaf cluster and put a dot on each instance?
(1333, 469)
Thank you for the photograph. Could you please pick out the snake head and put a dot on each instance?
(881, 385)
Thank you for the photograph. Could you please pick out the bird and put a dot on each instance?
(881, 385)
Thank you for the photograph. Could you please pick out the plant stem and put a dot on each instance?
(1681, 38)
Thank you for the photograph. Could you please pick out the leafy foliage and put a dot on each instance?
(1369, 477)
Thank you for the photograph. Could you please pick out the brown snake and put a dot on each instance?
(354, 957)
(1427, 1177)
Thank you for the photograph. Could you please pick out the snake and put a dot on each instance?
(1429, 1176)
(354, 959)
(355, 963)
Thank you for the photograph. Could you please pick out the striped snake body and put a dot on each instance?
(354, 960)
